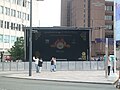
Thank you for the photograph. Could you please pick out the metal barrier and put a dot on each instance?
(61, 65)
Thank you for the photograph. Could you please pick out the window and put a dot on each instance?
(23, 27)
(11, 25)
(18, 14)
(14, 26)
(5, 25)
(110, 27)
(1, 23)
(28, 17)
(23, 15)
(24, 3)
(8, 0)
(8, 25)
(108, 36)
(108, 17)
(1, 10)
(13, 1)
(13, 39)
(6, 39)
(19, 27)
(1, 38)
(7, 11)
(109, 8)
(13, 13)
(19, 2)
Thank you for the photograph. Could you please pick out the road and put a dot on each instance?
(25, 84)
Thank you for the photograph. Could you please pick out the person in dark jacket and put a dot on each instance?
(40, 62)
(53, 64)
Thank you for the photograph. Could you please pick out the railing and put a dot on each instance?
(61, 65)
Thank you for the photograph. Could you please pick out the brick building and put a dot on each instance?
(97, 14)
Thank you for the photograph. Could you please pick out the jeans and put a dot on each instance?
(37, 68)
(108, 70)
(53, 68)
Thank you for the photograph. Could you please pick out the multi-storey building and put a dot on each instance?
(96, 14)
(14, 14)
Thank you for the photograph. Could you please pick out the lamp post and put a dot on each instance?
(30, 40)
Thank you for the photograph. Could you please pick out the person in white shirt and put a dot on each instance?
(36, 59)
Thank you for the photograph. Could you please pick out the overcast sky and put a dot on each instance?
(48, 12)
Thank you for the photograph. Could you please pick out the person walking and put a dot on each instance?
(54, 59)
(40, 62)
(36, 59)
(53, 64)
(109, 66)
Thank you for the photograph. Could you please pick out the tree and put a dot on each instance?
(17, 50)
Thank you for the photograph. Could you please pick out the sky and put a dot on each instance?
(48, 13)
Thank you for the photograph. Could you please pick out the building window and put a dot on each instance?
(110, 27)
(11, 26)
(109, 8)
(20, 15)
(1, 38)
(108, 36)
(19, 2)
(6, 39)
(1, 10)
(13, 1)
(8, 25)
(13, 13)
(17, 14)
(19, 27)
(1, 23)
(8, 0)
(108, 17)
(7, 11)
(23, 16)
(13, 39)
(24, 3)
(28, 17)
(5, 24)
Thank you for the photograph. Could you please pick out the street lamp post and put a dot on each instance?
(30, 40)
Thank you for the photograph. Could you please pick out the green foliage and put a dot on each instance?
(17, 50)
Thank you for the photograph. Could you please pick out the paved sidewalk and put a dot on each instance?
(97, 77)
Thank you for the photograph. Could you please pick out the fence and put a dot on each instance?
(61, 65)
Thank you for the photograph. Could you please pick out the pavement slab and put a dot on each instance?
(95, 77)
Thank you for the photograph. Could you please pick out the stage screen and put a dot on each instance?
(62, 44)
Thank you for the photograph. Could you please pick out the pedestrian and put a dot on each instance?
(36, 59)
(54, 59)
(109, 67)
(40, 62)
(53, 64)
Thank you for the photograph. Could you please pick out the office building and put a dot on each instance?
(14, 15)
(96, 14)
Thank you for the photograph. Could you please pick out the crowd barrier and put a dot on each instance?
(61, 65)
